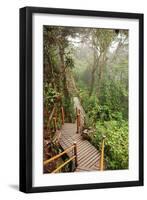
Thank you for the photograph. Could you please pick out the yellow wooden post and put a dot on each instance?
(62, 115)
(75, 154)
(102, 155)
(55, 123)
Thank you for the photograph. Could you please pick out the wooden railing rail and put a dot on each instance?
(56, 170)
(74, 147)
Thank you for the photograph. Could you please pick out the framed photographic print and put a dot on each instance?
(81, 99)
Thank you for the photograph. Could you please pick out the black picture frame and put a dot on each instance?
(26, 98)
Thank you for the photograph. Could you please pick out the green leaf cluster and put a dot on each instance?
(116, 142)
(50, 95)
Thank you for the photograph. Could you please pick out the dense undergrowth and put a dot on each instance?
(111, 125)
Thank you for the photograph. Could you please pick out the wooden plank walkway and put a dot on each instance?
(88, 157)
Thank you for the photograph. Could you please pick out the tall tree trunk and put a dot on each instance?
(92, 82)
(94, 67)
(65, 86)
(63, 71)
(51, 71)
(102, 63)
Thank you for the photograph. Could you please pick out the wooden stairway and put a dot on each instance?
(88, 157)
(83, 155)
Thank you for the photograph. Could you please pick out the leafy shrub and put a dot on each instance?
(107, 123)
(116, 142)
(94, 110)
(68, 105)
(50, 95)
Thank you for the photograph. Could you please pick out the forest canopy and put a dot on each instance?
(91, 64)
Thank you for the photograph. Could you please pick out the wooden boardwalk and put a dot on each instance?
(88, 157)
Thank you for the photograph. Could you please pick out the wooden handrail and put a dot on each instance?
(59, 155)
(74, 146)
(72, 158)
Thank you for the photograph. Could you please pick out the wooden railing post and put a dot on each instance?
(78, 120)
(76, 111)
(75, 154)
(77, 123)
(55, 123)
(102, 155)
(62, 115)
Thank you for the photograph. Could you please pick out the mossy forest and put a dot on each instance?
(87, 67)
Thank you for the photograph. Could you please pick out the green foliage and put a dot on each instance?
(115, 95)
(107, 123)
(69, 109)
(103, 38)
(90, 104)
(50, 95)
(116, 143)
(94, 109)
